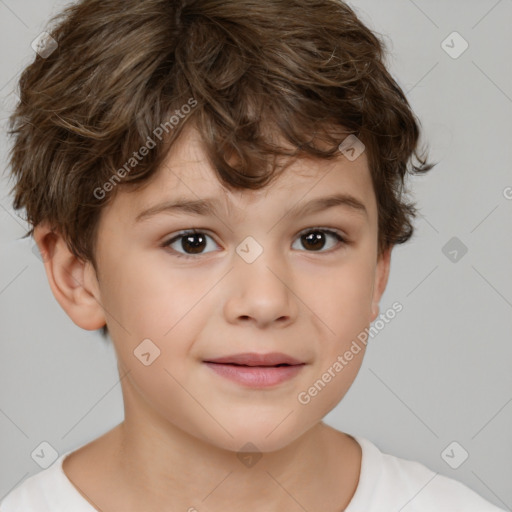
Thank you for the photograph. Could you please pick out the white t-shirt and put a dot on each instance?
(386, 484)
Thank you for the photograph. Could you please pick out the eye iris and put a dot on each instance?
(313, 238)
(197, 247)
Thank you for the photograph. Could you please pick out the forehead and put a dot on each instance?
(185, 176)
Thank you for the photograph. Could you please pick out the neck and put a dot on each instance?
(154, 464)
(317, 471)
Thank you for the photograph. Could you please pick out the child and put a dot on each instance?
(149, 127)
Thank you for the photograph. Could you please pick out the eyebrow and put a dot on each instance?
(209, 206)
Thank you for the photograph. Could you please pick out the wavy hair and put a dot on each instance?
(303, 71)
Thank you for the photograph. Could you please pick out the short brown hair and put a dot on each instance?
(251, 69)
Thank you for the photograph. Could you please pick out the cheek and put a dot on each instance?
(145, 298)
(134, 296)
(342, 296)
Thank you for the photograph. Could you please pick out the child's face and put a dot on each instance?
(306, 303)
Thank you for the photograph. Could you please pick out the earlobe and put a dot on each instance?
(72, 281)
(381, 280)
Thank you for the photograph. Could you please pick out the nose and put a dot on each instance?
(261, 292)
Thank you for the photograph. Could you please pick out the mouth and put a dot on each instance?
(256, 370)
(254, 365)
(272, 359)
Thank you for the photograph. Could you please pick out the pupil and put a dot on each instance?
(313, 238)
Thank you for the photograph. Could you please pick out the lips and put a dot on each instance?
(257, 371)
(255, 359)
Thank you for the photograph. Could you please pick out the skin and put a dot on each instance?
(177, 446)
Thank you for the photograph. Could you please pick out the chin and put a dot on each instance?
(250, 443)
(265, 437)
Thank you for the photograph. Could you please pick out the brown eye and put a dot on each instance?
(316, 239)
(188, 243)
(313, 241)
(194, 243)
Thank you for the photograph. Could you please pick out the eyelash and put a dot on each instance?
(184, 233)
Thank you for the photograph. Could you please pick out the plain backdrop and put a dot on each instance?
(436, 382)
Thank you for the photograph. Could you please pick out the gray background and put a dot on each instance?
(439, 372)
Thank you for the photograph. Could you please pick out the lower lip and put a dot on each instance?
(256, 376)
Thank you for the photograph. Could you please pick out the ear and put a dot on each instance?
(73, 282)
(381, 280)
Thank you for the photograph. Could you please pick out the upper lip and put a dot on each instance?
(255, 359)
